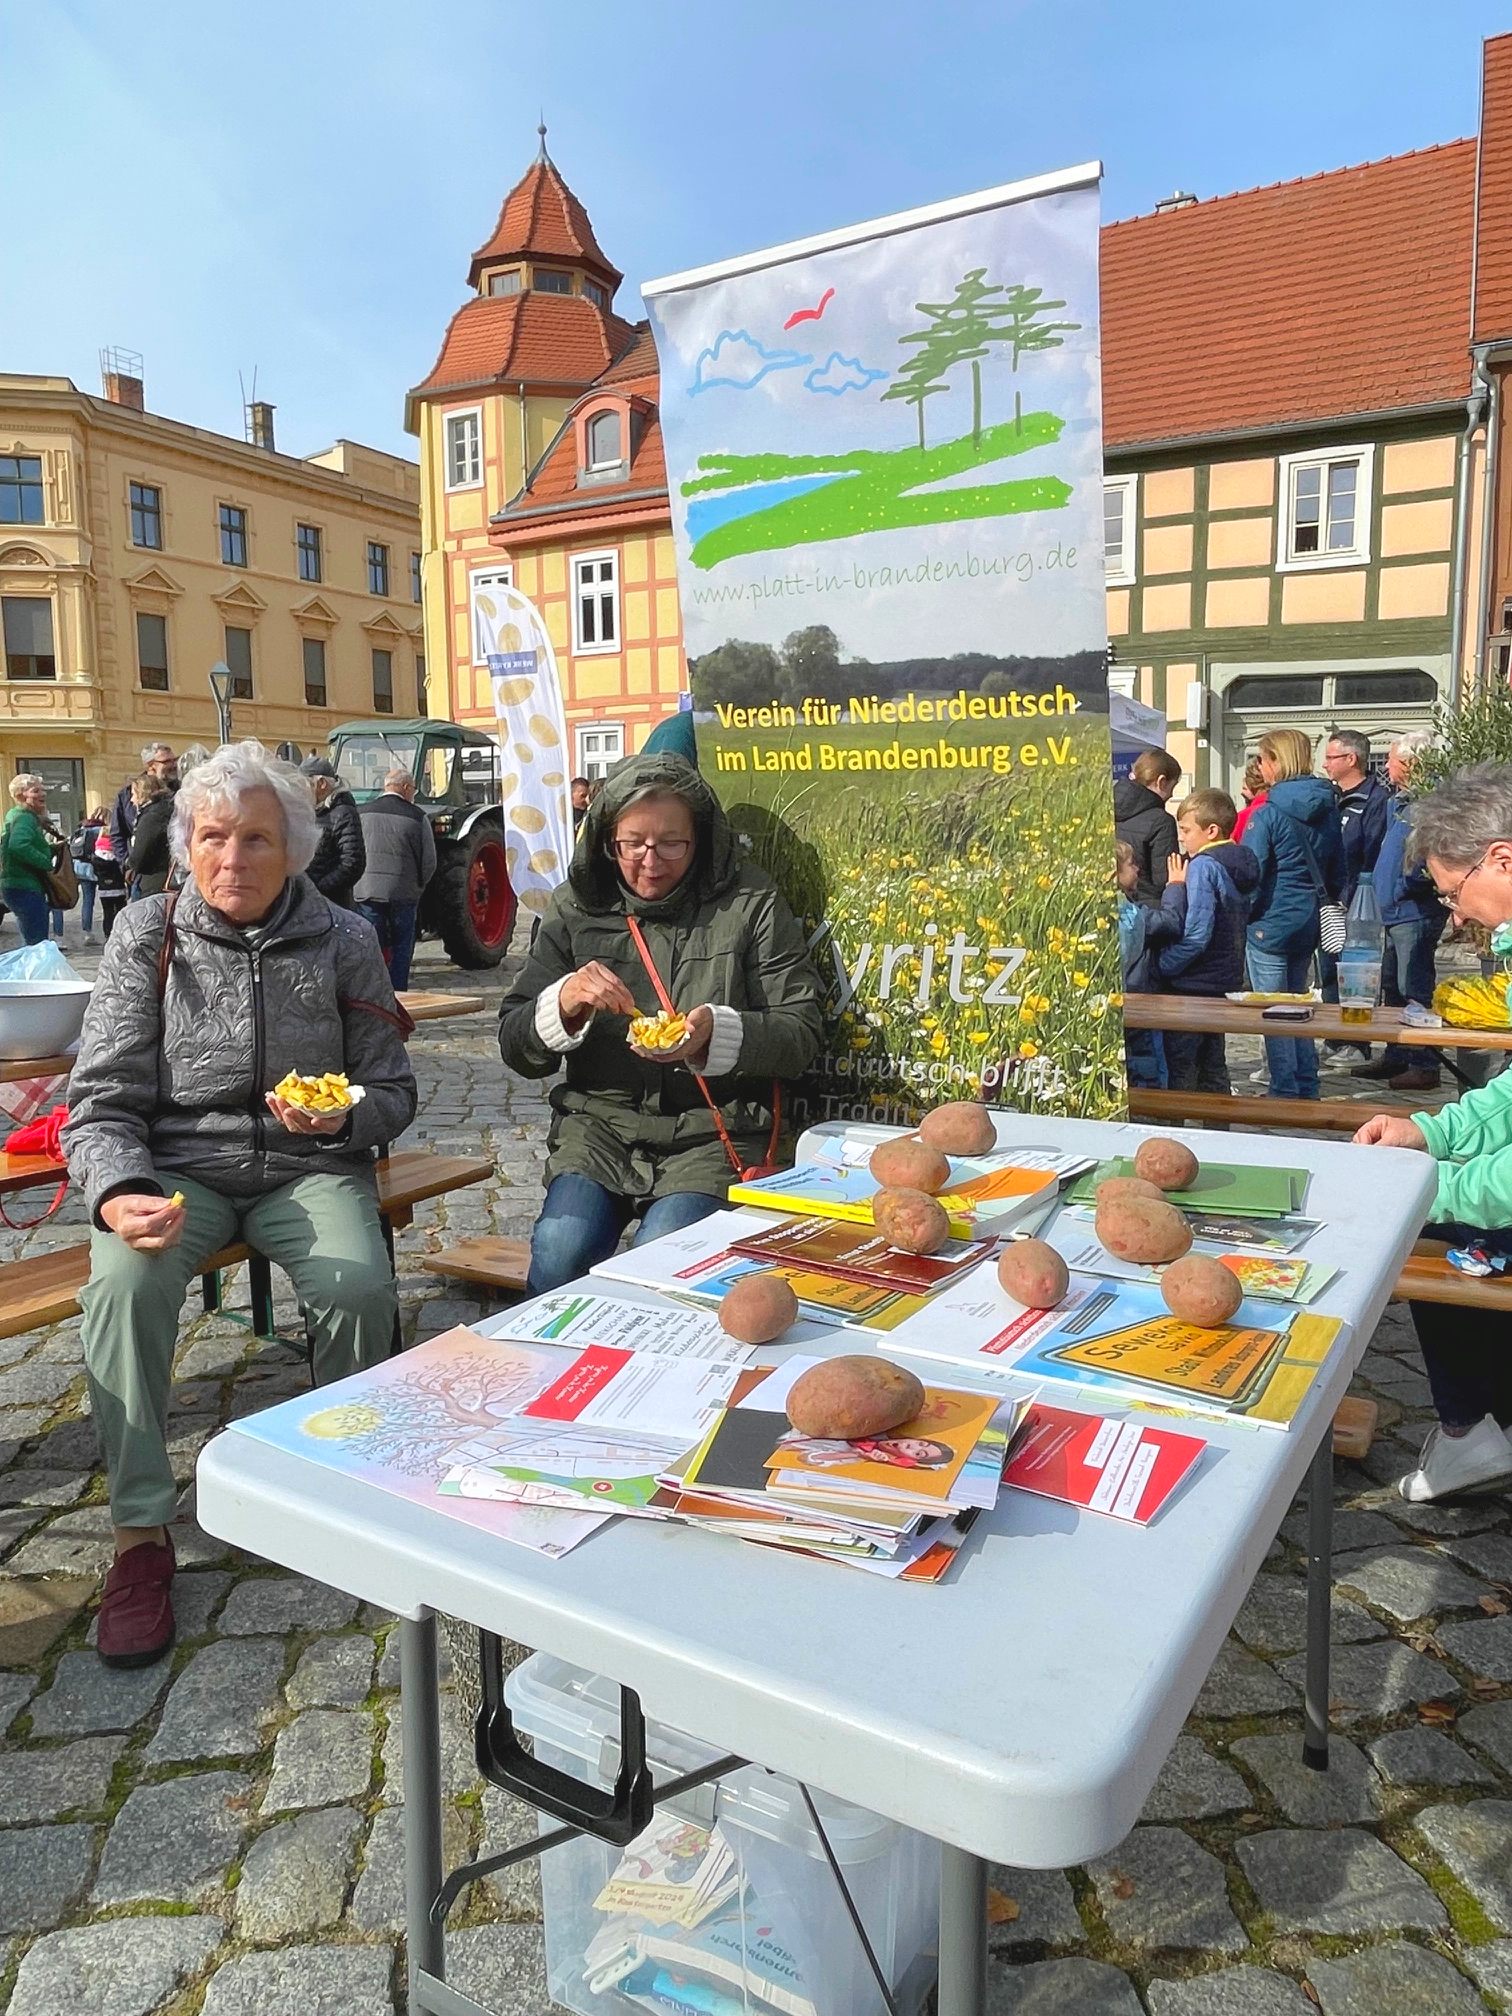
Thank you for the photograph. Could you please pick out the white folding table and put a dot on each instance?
(1019, 1711)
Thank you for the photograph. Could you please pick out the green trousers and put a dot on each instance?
(323, 1231)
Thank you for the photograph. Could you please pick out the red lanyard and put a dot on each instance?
(724, 1133)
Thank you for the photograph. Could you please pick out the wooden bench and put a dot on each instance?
(1335, 1116)
(1428, 1277)
(45, 1288)
(500, 1264)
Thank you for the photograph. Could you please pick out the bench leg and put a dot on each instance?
(210, 1290)
(1319, 1600)
(963, 1934)
(420, 1708)
(260, 1280)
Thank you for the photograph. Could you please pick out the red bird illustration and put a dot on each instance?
(810, 314)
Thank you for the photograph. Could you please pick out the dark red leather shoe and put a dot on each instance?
(136, 1609)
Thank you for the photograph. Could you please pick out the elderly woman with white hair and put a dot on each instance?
(205, 999)
(1462, 834)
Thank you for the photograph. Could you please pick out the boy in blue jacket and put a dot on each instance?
(1207, 892)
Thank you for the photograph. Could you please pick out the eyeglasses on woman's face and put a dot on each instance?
(636, 849)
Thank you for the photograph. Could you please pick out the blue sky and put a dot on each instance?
(297, 187)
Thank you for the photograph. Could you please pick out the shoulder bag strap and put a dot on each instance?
(644, 950)
(1307, 855)
(166, 945)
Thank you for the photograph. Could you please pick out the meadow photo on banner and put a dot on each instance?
(884, 451)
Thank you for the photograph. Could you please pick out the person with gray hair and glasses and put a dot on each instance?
(206, 999)
(1413, 920)
(1461, 832)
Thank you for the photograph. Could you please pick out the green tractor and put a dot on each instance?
(470, 904)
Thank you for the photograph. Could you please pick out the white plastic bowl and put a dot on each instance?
(40, 1018)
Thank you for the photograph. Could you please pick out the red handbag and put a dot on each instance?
(39, 1137)
(757, 1169)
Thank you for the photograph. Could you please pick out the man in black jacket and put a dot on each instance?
(1364, 807)
(1140, 818)
(340, 852)
(401, 859)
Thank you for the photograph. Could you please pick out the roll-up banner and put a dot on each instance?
(884, 459)
(534, 788)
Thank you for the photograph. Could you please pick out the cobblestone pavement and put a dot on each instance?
(223, 1832)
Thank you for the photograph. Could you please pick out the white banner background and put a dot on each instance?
(535, 787)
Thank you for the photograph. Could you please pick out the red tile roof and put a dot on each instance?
(1493, 248)
(544, 339)
(1346, 293)
(542, 219)
(553, 482)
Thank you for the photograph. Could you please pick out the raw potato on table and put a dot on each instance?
(1201, 1290)
(1169, 1164)
(909, 1164)
(845, 1399)
(1118, 1187)
(960, 1128)
(758, 1309)
(1033, 1273)
(910, 1221)
(1136, 1228)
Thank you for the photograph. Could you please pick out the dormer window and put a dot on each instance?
(504, 283)
(599, 296)
(606, 437)
(548, 282)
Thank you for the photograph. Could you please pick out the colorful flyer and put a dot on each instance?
(1121, 1468)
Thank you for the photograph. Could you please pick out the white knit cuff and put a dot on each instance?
(548, 1019)
(725, 1044)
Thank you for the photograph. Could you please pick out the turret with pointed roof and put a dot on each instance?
(542, 311)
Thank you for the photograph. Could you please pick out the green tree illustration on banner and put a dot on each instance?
(963, 330)
(1024, 333)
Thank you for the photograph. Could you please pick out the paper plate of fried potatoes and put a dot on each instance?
(662, 1031)
(330, 1092)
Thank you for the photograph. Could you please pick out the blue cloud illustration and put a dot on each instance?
(839, 374)
(736, 360)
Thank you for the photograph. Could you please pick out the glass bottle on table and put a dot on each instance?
(1360, 960)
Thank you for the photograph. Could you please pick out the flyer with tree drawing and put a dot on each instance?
(884, 454)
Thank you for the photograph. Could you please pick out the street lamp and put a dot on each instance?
(220, 687)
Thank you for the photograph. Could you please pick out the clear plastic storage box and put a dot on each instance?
(784, 1944)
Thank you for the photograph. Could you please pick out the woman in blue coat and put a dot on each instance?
(1296, 838)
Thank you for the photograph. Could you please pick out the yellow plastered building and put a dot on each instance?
(136, 552)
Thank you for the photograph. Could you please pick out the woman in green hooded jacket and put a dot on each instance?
(632, 1134)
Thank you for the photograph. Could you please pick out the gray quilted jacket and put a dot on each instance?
(171, 1072)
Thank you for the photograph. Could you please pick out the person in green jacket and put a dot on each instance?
(632, 1134)
(1462, 833)
(26, 857)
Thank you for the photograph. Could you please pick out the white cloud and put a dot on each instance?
(737, 361)
(839, 374)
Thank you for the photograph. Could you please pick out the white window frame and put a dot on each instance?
(599, 764)
(1358, 554)
(483, 577)
(596, 648)
(450, 420)
(1128, 487)
(616, 461)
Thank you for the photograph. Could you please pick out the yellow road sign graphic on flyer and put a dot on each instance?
(1223, 1364)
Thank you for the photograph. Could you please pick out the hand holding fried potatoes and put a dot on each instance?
(675, 1039)
(319, 1105)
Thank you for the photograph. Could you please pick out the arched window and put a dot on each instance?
(605, 441)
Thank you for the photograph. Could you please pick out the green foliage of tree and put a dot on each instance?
(915, 382)
(737, 674)
(811, 664)
(1479, 730)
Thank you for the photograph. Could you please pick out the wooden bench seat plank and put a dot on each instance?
(490, 1263)
(1341, 1116)
(44, 1288)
